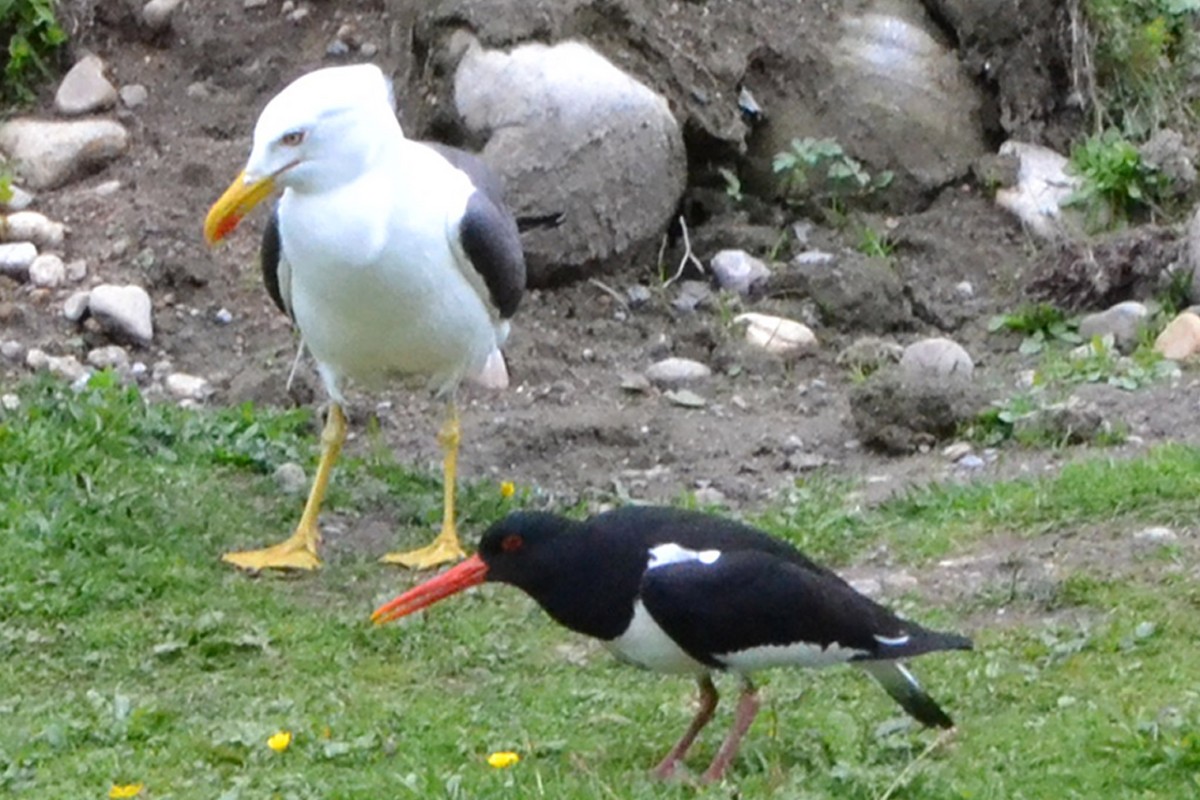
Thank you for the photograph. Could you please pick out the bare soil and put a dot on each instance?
(566, 426)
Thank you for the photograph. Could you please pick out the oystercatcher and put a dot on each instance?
(683, 592)
(393, 257)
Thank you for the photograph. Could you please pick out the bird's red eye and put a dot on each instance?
(292, 138)
(511, 543)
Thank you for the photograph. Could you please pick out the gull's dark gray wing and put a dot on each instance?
(277, 274)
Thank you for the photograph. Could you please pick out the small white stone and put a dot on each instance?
(30, 226)
(223, 316)
(290, 478)
(250, 5)
(15, 258)
(964, 289)
(369, 49)
(76, 270)
(676, 371)
(133, 95)
(956, 451)
(124, 311)
(157, 13)
(66, 367)
(738, 271)
(12, 349)
(76, 306)
(10, 402)
(19, 199)
(937, 357)
(182, 386)
(106, 188)
(777, 334)
(85, 89)
(1156, 535)
(110, 357)
(53, 152)
(47, 271)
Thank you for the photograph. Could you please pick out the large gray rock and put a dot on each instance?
(854, 293)
(570, 133)
(897, 414)
(903, 103)
(50, 154)
(124, 311)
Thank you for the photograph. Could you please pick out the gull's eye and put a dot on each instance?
(292, 138)
(512, 543)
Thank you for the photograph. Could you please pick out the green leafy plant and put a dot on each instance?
(33, 35)
(733, 184)
(1116, 183)
(1143, 53)
(1039, 323)
(820, 172)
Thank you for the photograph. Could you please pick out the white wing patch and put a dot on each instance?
(798, 654)
(672, 553)
(897, 641)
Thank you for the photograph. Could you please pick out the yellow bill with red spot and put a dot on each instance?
(234, 204)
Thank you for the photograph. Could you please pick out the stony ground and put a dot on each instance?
(570, 424)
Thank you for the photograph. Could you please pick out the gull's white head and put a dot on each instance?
(325, 128)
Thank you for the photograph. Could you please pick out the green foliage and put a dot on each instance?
(130, 654)
(874, 244)
(1117, 184)
(819, 173)
(1039, 324)
(1145, 53)
(33, 36)
(733, 184)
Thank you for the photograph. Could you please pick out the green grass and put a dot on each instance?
(130, 654)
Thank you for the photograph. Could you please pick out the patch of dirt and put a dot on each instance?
(565, 426)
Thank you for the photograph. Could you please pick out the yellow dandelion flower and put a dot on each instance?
(507, 489)
(280, 741)
(503, 760)
(120, 791)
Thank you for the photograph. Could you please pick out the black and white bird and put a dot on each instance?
(394, 257)
(683, 592)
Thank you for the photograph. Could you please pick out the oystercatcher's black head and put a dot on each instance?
(519, 550)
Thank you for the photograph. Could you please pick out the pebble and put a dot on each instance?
(76, 306)
(30, 226)
(738, 271)
(109, 357)
(634, 383)
(250, 5)
(19, 199)
(964, 289)
(1180, 339)
(937, 357)
(223, 316)
(133, 95)
(66, 367)
(10, 402)
(692, 295)
(52, 153)
(157, 13)
(813, 258)
(47, 271)
(85, 89)
(685, 398)
(1156, 536)
(676, 371)
(777, 334)
(123, 311)
(77, 270)
(870, 353)
(956, 451)
(710, 496)
(1120, 324)
(15, 258)
(637, 295)
(12, 349)
(290, 478)
(182, 386)
(971, 461)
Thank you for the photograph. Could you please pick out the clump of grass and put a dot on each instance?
(32, 36)
(1144, 53)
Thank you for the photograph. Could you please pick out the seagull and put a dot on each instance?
(683, 592)
(393, 257)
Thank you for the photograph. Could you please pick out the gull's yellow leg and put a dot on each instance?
(445, 547)
(299, 551)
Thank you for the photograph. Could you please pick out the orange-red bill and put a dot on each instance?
(471, 572)
(234, 204)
